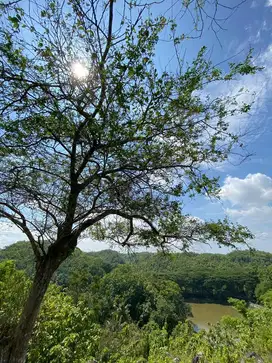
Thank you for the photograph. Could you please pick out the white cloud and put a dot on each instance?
(268, 3)
(250, 201)
(9, 234)
(254, 191)
(88, 244)
(252, 214)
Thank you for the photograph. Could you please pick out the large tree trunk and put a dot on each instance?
(16, 349)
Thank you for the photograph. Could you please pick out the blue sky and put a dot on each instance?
(246, 195)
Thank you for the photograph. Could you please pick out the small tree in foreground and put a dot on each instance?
(94, 136)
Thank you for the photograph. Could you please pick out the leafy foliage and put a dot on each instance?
(67, 332)
(265, 284)
(14, 287)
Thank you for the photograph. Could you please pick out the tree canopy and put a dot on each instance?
(122, 142)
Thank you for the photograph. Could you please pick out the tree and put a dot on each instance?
(65, 332)
(94, 136)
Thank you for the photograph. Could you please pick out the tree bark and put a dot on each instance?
(15, 349)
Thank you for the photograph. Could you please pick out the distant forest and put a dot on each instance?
(202, 277)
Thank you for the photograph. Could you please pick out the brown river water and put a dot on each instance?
(205, 314)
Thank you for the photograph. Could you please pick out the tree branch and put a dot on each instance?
(90, 222)
(21, 224)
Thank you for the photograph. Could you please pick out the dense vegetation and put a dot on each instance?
(112, 307)
(213, 277)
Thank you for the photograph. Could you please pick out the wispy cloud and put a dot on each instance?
(257, 33)
(268, 3)
(254, 4)
(251, 89)
(257, 89)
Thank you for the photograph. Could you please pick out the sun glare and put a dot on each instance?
(79, 70)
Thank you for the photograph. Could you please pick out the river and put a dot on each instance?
(206, 314)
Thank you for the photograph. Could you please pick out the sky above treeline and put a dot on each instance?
(246, 195)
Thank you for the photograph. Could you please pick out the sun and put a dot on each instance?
(79, 70)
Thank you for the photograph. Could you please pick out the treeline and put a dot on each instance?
(210, 277)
